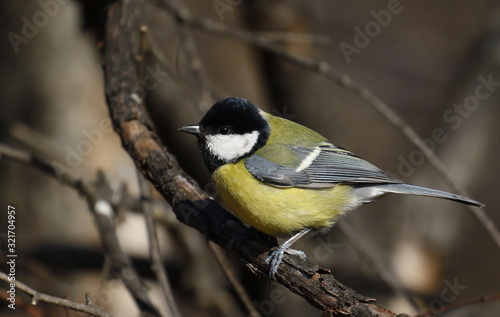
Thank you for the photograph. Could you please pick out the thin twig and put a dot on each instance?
(194, 61)
(323, 68)
(46, 147)
(41, 297)
(296, 38)
(233, 280)
(97, 197)
(188, 46)
(154, 247)
(37, 140)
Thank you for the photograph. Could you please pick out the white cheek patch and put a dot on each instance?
(232, 146)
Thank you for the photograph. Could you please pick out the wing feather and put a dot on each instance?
(331, 166)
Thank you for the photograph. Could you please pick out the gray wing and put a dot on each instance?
(322, 166)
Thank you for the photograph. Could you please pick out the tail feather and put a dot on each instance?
(423, 191)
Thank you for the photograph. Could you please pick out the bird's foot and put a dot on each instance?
(276, 257)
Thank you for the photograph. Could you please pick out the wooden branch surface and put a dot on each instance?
(190, 204)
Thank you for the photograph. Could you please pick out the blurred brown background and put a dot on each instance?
(426, 59)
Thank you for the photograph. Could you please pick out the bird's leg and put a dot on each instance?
(274, 260)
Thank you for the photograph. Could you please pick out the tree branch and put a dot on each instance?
(190, 204)
(228, 271)
(41, 297)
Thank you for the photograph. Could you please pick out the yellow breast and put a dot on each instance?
(279, 211)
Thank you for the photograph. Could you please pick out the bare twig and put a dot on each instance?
(296, 38)
(231, 277)
(121, 265)
(323, 68)
(44, 145)
(97, 197)
(196, 66)
(154, 247)
(41, 297)
(188, 47)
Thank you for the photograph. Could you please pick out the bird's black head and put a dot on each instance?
(232, 129)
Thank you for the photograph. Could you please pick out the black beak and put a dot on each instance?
(191, 129)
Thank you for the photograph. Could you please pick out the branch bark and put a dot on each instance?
(190, 204)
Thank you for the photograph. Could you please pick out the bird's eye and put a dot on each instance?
(225, 130)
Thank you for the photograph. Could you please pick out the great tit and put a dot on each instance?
(285, 179)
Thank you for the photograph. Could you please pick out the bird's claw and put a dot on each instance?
(274, 260)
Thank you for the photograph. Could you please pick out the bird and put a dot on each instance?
(285, 179)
